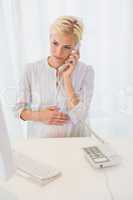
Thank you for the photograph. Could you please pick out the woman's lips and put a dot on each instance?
(57, 58)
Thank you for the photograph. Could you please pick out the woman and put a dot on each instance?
(55, 99)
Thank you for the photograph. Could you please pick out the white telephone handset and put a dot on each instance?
(76, 48)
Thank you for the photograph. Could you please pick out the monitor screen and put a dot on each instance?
(7, 168)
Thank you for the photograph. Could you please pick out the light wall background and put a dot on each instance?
(107, 46)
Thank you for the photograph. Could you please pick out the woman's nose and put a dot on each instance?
(58, 52)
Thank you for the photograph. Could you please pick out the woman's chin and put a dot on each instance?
(55, 61)
(58, 62)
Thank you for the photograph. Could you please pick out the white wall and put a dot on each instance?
(107, 45)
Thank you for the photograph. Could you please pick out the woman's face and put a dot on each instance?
(61, 46)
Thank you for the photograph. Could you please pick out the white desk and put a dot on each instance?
(79, 181)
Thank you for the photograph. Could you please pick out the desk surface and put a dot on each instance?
(79, 180)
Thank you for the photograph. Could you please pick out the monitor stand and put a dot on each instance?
(6, 195)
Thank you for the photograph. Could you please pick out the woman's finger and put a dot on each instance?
(60, 117)
(57, 122)
(71, 60)
(53, 108)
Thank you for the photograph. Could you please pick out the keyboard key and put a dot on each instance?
(99, 160)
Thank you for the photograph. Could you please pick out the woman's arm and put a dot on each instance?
(29, 115)
(73, 99)
(81, 110)
(51, 115)
(70, 63)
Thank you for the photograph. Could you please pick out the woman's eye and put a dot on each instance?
(55, 43)
(67, 47)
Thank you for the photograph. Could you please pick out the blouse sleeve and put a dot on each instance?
(23, 97)
(80, 111)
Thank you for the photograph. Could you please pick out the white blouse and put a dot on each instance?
(38, 90)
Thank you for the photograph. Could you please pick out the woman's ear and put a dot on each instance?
(78, 53)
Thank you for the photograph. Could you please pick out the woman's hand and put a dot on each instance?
(53, 116)
(70, 64)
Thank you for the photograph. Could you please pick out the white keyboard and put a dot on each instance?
(101, 156)
(33, 170)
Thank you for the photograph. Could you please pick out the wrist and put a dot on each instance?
(34, 116)
(74, 97)
(73, 100)
(67, 78)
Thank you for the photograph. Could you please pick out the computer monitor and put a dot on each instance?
(7, 168)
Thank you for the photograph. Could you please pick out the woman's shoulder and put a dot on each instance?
(34, 67)
(84, 68)
(83, 73)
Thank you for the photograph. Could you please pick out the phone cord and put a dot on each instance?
(108, 186)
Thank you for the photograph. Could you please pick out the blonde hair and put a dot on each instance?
(69, 25)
